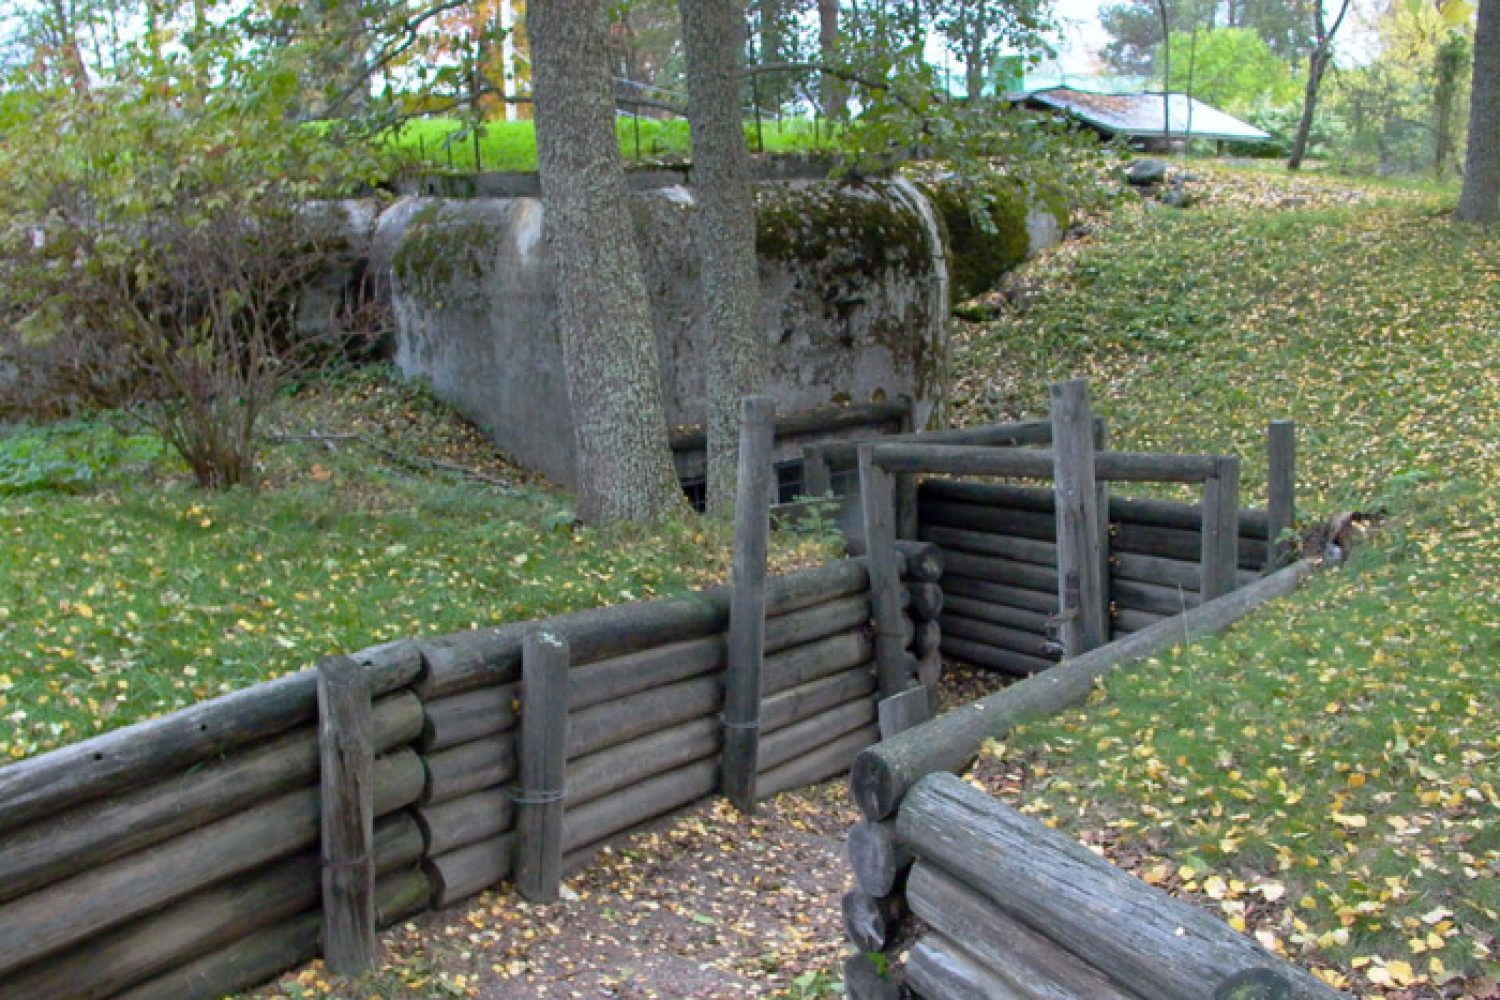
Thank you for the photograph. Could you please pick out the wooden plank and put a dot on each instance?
(1177, 543)
(51, 919)
(1007, 571)
(990, 657)
(100, 830)
(983, 517)
(817, 478)
(107, 764)
(1281, 489)
(1042, 601)
(631, 806)
(871, 922)
(624, 764)
(806, 700)
(939, 969)
(878, 497)
(832, 759)
(863, 980)
(1221, 528)
(469, 716)
(1036, 622)
(631, 673)
(926, 601)
(790, 742)
(1164, 572)
(614, 722)
(1122, 466)
(900, 712)
(820, 420)
(1081, 585)
(469, 767)
(883, 774)
(473, 868)
(1152, 943)
(806, 663)
(1000, 637)
(987, 543)
(844, 454)
(1152, 597)
(818, 622)
(544, 750)
(448, 826)
(1145, 511)
(346, 743)
(1039, 968)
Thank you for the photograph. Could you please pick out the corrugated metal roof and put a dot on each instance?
(1140, 114)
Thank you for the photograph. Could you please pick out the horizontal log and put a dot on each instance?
(939, 969)
(626, 764)
(1152, 943)
(999, 593)
(818, 622)
(864, 981)
(1037, 622)
(871, 922)
(1029, 550)
(926, 601)
(1035, 967)
(793, 741)
(926, 639)
(51, 919)
(1177, 573)
(108, 764)
(460, 874)
(806, 700)
(1001, 637)
(469, 767)
(447, 826)
(1007, 661)
(1136, 510)
(1006, 571)
(827, 761)
(1150, 597)
(1129, 620)
(622, 676)
(844, 454)
(615, 722)
(467, 660)
(94, 832)
(1109, 466)
(1175, 543)
(822, 420)
(224, 912)
(878, 858)
(469, 716)
(884, 773)
(994, 520)
(607, 815)
(802, 664)
(263, 955)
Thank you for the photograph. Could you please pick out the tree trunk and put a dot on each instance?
(609, 350)
(1477, 202)
(1317, 63)
(726, 233)
(974, 61)
(830, 88)
(1166, 75)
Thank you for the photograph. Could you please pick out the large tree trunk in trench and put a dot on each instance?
(1477, 202)
(726, 232)
(609, 350)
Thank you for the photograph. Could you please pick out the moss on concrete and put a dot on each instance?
(442, 249)
(986, 224)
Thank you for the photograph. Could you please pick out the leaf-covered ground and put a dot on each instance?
(126, 593)
(1326, 775)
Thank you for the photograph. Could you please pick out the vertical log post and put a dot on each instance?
(1281, 505)
(1080, 580)
(747, 603)
(347, 752)
(817, 478)
(877, 490)
(1101, 443)
(906, 491)
(544, 742)
(1221, 528)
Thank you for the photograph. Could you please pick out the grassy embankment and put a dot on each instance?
(1326, 775)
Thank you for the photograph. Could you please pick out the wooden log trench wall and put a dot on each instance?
(189, 856)
(958, 897)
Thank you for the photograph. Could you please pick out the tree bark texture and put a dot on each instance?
(1481, 190)
(711, 30)
(609, 349)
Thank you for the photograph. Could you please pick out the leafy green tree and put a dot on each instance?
(1231, 68)
(155, 234)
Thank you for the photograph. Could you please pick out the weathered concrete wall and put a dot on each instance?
(855, 298)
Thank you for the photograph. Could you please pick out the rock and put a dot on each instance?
(1177, 197)
(1144, 173)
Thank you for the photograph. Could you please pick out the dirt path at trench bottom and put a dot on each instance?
(703, 904)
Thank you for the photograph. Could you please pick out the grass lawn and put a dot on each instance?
(126, 593)
(1325, 775)
(442, 142)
